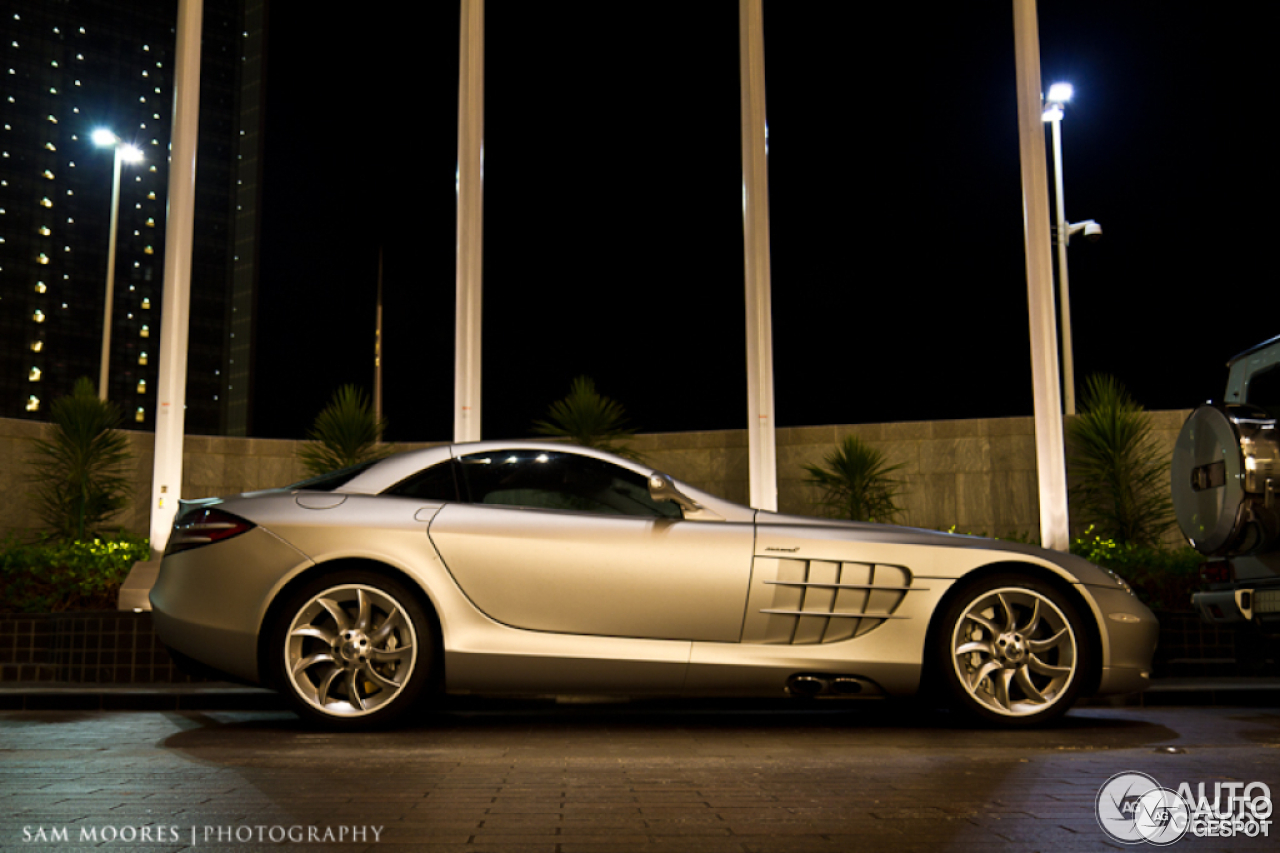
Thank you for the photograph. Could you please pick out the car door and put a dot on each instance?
(559, 542)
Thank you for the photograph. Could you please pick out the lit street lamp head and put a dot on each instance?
(105, 138)
(1059, 94)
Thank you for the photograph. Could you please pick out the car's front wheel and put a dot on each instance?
(352, 650)
(1013, 650)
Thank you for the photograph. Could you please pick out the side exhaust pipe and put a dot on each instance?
(806, 685)
(815, 684)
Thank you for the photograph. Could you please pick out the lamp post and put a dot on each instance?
(1055, 101)
(123, 154)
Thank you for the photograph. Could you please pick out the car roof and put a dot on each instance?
(1251, 350)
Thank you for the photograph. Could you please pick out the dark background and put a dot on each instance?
(613, 220)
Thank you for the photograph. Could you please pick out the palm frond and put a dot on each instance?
(1119, 473)
(590, 419)
(345, 433)
(81, 474)
(856, 483)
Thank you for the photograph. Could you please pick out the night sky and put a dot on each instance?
(613, 222)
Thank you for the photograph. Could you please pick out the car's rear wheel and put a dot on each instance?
(352, 650)
(1013, 650)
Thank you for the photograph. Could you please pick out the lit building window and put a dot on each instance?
(140, 415)
(146, 302)
(40, 287)
(144, 332)
(37, 346)
(33, 375)
(44, 231)
(48, 174)
(142, 359)
(38, 316)
(43, 259)
(142, 386)
(44, 202)
(33, 403)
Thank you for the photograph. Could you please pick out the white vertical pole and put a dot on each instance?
(166, 481)
(104, 363)
(761, 441)
(1050, 461)
(377, 347)
(1064, 290)
(466, 375)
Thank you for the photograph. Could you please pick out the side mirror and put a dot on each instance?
(663, 488)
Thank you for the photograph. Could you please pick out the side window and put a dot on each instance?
(1263, 390)
(437, 483)
(562, 481)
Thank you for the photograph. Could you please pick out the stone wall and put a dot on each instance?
(976, 475)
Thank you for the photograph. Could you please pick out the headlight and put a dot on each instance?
(1120, 582)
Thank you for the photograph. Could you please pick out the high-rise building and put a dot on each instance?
(71, 67)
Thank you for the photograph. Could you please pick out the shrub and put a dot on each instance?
(1162, 577)
(590, 419)
(855, 482)
(345, 433)
(1121, 476)
(80, 475)
(53, 576)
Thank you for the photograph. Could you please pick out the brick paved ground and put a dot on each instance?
(619, 778)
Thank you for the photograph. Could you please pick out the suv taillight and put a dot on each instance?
(1218, 571)
(204, 526)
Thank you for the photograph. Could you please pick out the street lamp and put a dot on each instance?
(1054, 104)
(123, 154)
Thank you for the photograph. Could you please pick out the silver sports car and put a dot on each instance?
(539, 568)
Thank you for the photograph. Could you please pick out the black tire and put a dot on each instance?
(352, 650)
(1013, 651)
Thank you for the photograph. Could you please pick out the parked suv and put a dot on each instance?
(1226, 476)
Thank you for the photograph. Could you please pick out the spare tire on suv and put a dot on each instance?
(1225, 472)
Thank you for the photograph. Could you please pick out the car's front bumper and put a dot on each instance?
(1130, 631)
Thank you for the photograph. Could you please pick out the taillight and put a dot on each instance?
(204, 526)
(1218, 571)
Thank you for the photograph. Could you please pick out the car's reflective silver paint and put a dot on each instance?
(727, 600)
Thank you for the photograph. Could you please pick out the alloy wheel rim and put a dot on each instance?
(350, 650)
(1014, 652)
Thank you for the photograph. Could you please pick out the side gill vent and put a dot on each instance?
(817, 601)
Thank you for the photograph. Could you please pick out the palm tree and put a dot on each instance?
(81, 474)
(1121, 476)
(856, 483)
(345, 433)
(589, 419)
